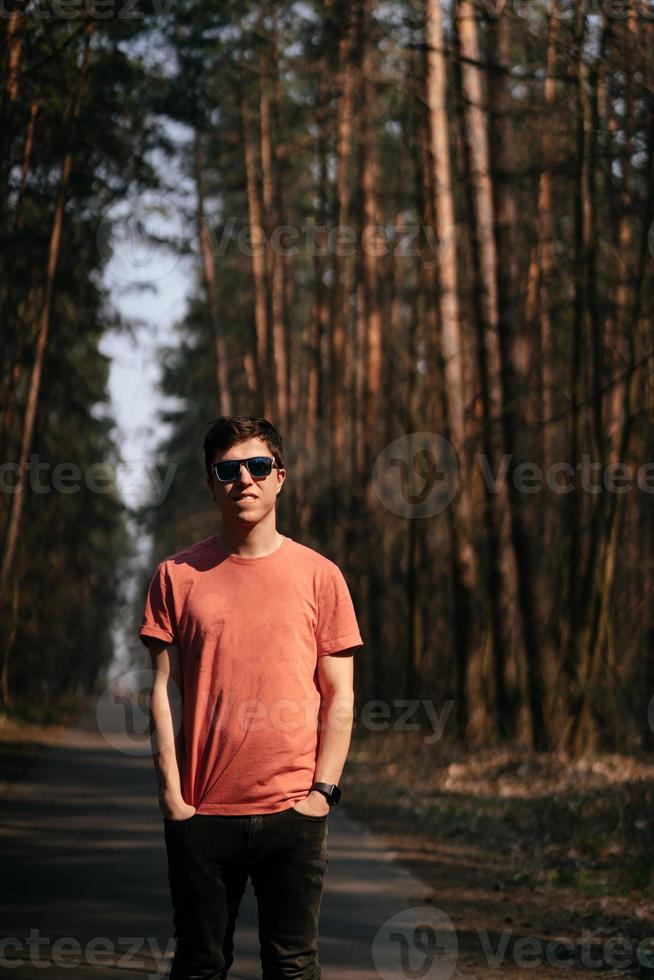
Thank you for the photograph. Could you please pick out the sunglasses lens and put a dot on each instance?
(228, 470)
(260, 466)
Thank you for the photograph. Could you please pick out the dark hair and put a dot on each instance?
(226, 431)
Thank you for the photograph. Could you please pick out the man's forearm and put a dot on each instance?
(335, 720)
(166, 741)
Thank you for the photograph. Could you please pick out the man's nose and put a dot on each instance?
(245, 476)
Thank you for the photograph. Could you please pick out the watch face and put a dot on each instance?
(335, 794)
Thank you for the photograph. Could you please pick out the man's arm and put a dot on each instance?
(336, 683)
(166, 728)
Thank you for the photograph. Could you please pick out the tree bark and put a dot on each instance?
(499, 564)
(342, 266)
(273, 219)
(540, 300)
(371, 311)
(223, 397)
(591, 727)
(513, 368)
(451, 345)
(264, 386)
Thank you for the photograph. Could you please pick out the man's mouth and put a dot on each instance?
(246, 496)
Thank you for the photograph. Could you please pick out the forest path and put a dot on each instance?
(85, 882)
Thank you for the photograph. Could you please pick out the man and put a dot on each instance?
(251, 636)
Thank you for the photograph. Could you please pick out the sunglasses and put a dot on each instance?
(229, 470)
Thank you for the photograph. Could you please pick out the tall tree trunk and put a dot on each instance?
(369, 179)
(422, 395)
(451, 333)
(499, 565)
(646, 648)
(619, 326)
(513, 368)
(539, 304)
(318, 330)
(581, 652)
(363, 516)
(538, 320)
(223, 397)
(570, 661)
(273, 220)
(264, 385)
(451, 344)
(342, 266)
(591, 728)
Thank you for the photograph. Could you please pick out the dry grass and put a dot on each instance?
(540, 845)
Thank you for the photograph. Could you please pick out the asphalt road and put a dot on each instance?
(84, 890)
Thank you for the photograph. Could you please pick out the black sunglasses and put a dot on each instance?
(228, 470)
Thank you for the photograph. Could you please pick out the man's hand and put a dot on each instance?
(314, 804)
(177, 809)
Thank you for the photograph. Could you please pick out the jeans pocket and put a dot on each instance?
(309, 816)
(173, 823)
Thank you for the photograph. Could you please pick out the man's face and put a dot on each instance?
(247, 498)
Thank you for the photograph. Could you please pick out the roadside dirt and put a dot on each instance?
(23, 742)
(544, 864)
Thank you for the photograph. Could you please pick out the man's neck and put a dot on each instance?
(249, 542)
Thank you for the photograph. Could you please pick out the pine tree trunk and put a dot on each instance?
(369, 179)
(318, 329)
(342, 266)
(499, 564)
(619, 326)
(274, 260)
(590, 728)
(452, 346)
(539, 304)
(513, 382)
(264, 385)
(223, 398)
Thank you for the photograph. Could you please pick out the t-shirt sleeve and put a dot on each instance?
(337, 627)
(158, 616)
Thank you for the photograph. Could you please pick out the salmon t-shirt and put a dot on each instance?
(249, 632)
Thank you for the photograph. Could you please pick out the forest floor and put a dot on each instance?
(543, 863)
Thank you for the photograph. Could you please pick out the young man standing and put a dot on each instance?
(251, 636)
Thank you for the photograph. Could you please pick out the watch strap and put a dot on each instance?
(330, 790)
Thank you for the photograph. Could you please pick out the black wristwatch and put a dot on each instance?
(330, 790)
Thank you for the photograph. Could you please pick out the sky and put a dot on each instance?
(148, 283)
(148, 286)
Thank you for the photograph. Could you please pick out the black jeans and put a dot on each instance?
(209, 860)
